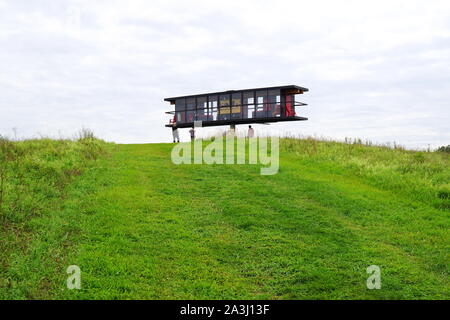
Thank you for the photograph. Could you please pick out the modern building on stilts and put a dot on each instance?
(259, 105)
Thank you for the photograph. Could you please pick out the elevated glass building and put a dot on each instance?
(259, 105)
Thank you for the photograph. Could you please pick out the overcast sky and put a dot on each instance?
(377, 70)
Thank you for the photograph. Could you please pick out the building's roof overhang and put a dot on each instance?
(295, 90)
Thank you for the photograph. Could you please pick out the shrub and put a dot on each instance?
(445, 149)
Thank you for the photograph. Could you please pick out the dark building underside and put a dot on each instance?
(238, 121)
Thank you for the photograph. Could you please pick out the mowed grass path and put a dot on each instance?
(148, 229)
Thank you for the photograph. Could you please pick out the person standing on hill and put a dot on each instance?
(192, 132)
(175, 134)
(251, 132)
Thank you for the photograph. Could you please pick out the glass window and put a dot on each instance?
(261, 104)
(180, 116)
(289, 108)
(236, 105)
(201, 103)
(190, 104)
(249, 104)
(190, 109)
(180, 104)
(212, 107)
(224, 100)
(202, 108)
(236, 99)
(273, 107)
(224, 110)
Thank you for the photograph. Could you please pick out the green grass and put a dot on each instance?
(140, 227)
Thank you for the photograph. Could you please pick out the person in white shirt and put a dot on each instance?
(251, 132)
(175, 134)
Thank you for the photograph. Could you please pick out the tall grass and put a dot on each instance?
(35, 171)
(35, 175)
(6, 155)
(421, 175)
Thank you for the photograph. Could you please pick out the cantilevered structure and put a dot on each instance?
(259, 105)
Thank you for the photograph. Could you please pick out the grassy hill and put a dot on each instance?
(141, 227)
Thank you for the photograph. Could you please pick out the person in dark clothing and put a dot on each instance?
(192, 133)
